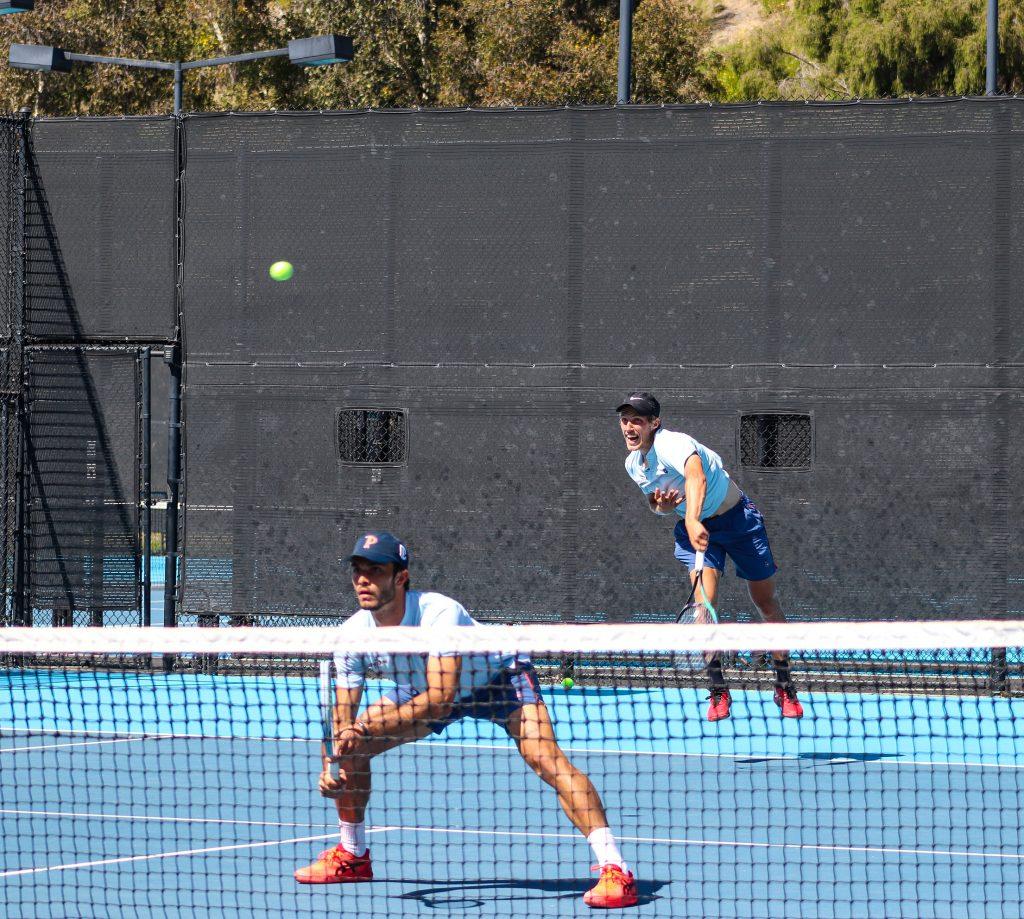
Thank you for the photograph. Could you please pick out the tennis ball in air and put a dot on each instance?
(281, 271)
(568, 683)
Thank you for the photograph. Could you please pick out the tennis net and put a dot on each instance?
(173, 772)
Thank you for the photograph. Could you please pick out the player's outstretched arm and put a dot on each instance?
(696, 489)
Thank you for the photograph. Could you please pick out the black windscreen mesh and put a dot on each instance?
(494, 513)
(83, 456)
(100, 229)
(504, 277)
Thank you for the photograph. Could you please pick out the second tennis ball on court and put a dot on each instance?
(281, 271)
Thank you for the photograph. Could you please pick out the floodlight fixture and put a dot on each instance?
(39, 57)
(320, 50)
(302, 52)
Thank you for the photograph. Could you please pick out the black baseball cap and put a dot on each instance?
(381, 547)
(643, 403)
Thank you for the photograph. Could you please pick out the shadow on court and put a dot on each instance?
(813, 760)
(464, 894)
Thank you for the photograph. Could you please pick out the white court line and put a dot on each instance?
(147, 735)
(76, 743)
(724, 843)
(717, 843)
(183, 853)
(883, 760)
(142, 818)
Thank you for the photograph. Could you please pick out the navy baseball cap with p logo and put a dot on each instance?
(643, 403)
(378, 546)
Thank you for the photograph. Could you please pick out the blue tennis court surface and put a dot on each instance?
(129, 803)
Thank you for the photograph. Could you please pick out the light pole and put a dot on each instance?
(992, 49)
(625, 49)
(303, 52)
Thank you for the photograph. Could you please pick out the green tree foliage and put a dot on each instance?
(873, 48)
(153, 29)
(506, 52)
(409, 53)
(903, 47)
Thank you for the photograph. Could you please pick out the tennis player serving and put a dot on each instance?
(430, 693)
(683, 477)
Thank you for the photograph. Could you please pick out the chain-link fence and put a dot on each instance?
(12, 279)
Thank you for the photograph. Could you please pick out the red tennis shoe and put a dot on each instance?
(336, 866)
(721, 702)
(786, 700)
(614, 888)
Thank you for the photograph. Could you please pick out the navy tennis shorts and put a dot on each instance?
(508, 691)
(740, 534)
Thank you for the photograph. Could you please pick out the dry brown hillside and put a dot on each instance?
(734, 19)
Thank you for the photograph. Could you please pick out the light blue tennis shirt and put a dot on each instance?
(428, 611)
(663, 468)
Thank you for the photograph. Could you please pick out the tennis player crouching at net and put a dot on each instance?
(432, 692)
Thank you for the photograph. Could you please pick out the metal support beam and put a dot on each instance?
(625, 50)
(992, 49)
(173, 358)
(178, 88)
(147, 489)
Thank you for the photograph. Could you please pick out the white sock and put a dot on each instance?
(353, 837)
(606, 849)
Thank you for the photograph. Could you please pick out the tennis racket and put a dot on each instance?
(327, 713)
(696, 611)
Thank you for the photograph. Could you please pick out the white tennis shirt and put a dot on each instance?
(664, 464)
(428, 611)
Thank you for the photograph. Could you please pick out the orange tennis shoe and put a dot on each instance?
(336, 866)
(614, 888)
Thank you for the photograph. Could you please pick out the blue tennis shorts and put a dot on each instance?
(738, 533)
(508, 691)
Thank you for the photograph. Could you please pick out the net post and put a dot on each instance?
(999, 673)
(207, 663)
(63, 617)
(173, 359)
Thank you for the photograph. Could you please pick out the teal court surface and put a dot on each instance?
(162, 795)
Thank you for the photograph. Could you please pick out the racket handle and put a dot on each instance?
(327, 715)
(698, 561)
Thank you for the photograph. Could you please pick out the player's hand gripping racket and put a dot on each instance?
(696, 611)
(327, 714)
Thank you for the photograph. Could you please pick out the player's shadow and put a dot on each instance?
(839, 758)
(462, 894)
(813, 760)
